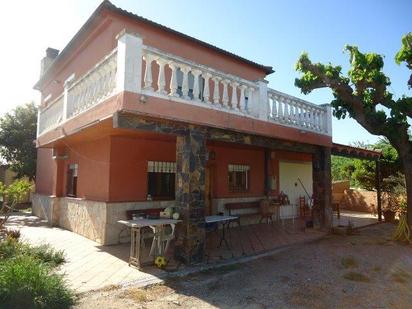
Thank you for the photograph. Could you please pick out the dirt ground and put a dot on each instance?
(367, 270)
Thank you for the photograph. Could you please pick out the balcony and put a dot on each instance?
(145, 70)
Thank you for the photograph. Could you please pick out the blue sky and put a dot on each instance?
(269, 32)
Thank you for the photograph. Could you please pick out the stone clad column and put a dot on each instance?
(322, 188)
(190, 195)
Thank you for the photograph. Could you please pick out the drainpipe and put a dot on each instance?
(266, 167)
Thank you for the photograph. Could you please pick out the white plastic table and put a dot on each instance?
(161, 240)
(225, 221)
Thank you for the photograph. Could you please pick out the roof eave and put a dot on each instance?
(109, 6)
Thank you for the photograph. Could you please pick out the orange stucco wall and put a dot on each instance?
(128, 170)
(102, 39)
(45, 172)
(114, 168)
(93, 159)
(245, 156)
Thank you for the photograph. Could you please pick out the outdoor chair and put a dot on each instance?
(268, 208)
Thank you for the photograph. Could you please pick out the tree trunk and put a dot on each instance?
(408, 179)
(405, 154)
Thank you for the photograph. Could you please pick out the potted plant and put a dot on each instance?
(390, 209)
(389, 215)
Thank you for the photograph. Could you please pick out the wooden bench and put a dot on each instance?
(149, 211)
(232, 207)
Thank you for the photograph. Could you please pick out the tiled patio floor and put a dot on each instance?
(248, 240)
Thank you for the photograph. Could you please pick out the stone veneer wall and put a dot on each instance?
(45, 207)
(98, 220)
(84, 217)
(190, 195)
(322, 188)
(92, 219)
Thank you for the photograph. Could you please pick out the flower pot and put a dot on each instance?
(389, 216)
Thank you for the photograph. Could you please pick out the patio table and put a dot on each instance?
(224, 221)
(159, 239)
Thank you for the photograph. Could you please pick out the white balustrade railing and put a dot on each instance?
(174, 77)
(51, 115)
(92, 88)
(292, 111)
(95, 86)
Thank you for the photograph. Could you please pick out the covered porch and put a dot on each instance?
(195, 199)
(205, 169)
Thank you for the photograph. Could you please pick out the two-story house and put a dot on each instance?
(136, 115)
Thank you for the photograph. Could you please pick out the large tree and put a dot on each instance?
(363, 95)
(17, 136)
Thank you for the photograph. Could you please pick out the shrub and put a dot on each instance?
(15, 234)
(11, 247)
(11, 195)
(45, 253)
(8, 248)
(27, 283)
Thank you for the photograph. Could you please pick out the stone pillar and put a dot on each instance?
(322, 188)
(190, 195)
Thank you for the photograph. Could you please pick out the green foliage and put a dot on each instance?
(405, 54)
(26, 283)
(28, 279)
(362, 173)
(358, 94)
(16, 191)
(13, 233)
(342, 168)
(12, 248)
(17, 136)
(12, 194)
(46, 254)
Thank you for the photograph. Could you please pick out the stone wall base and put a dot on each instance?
(92, 219)
(46, 207)
(98, 220)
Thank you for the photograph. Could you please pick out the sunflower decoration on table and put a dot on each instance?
(160, 261)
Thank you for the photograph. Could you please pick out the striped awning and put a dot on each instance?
(161, 167)
(238, 168)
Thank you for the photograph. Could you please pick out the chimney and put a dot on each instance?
(51, 54)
